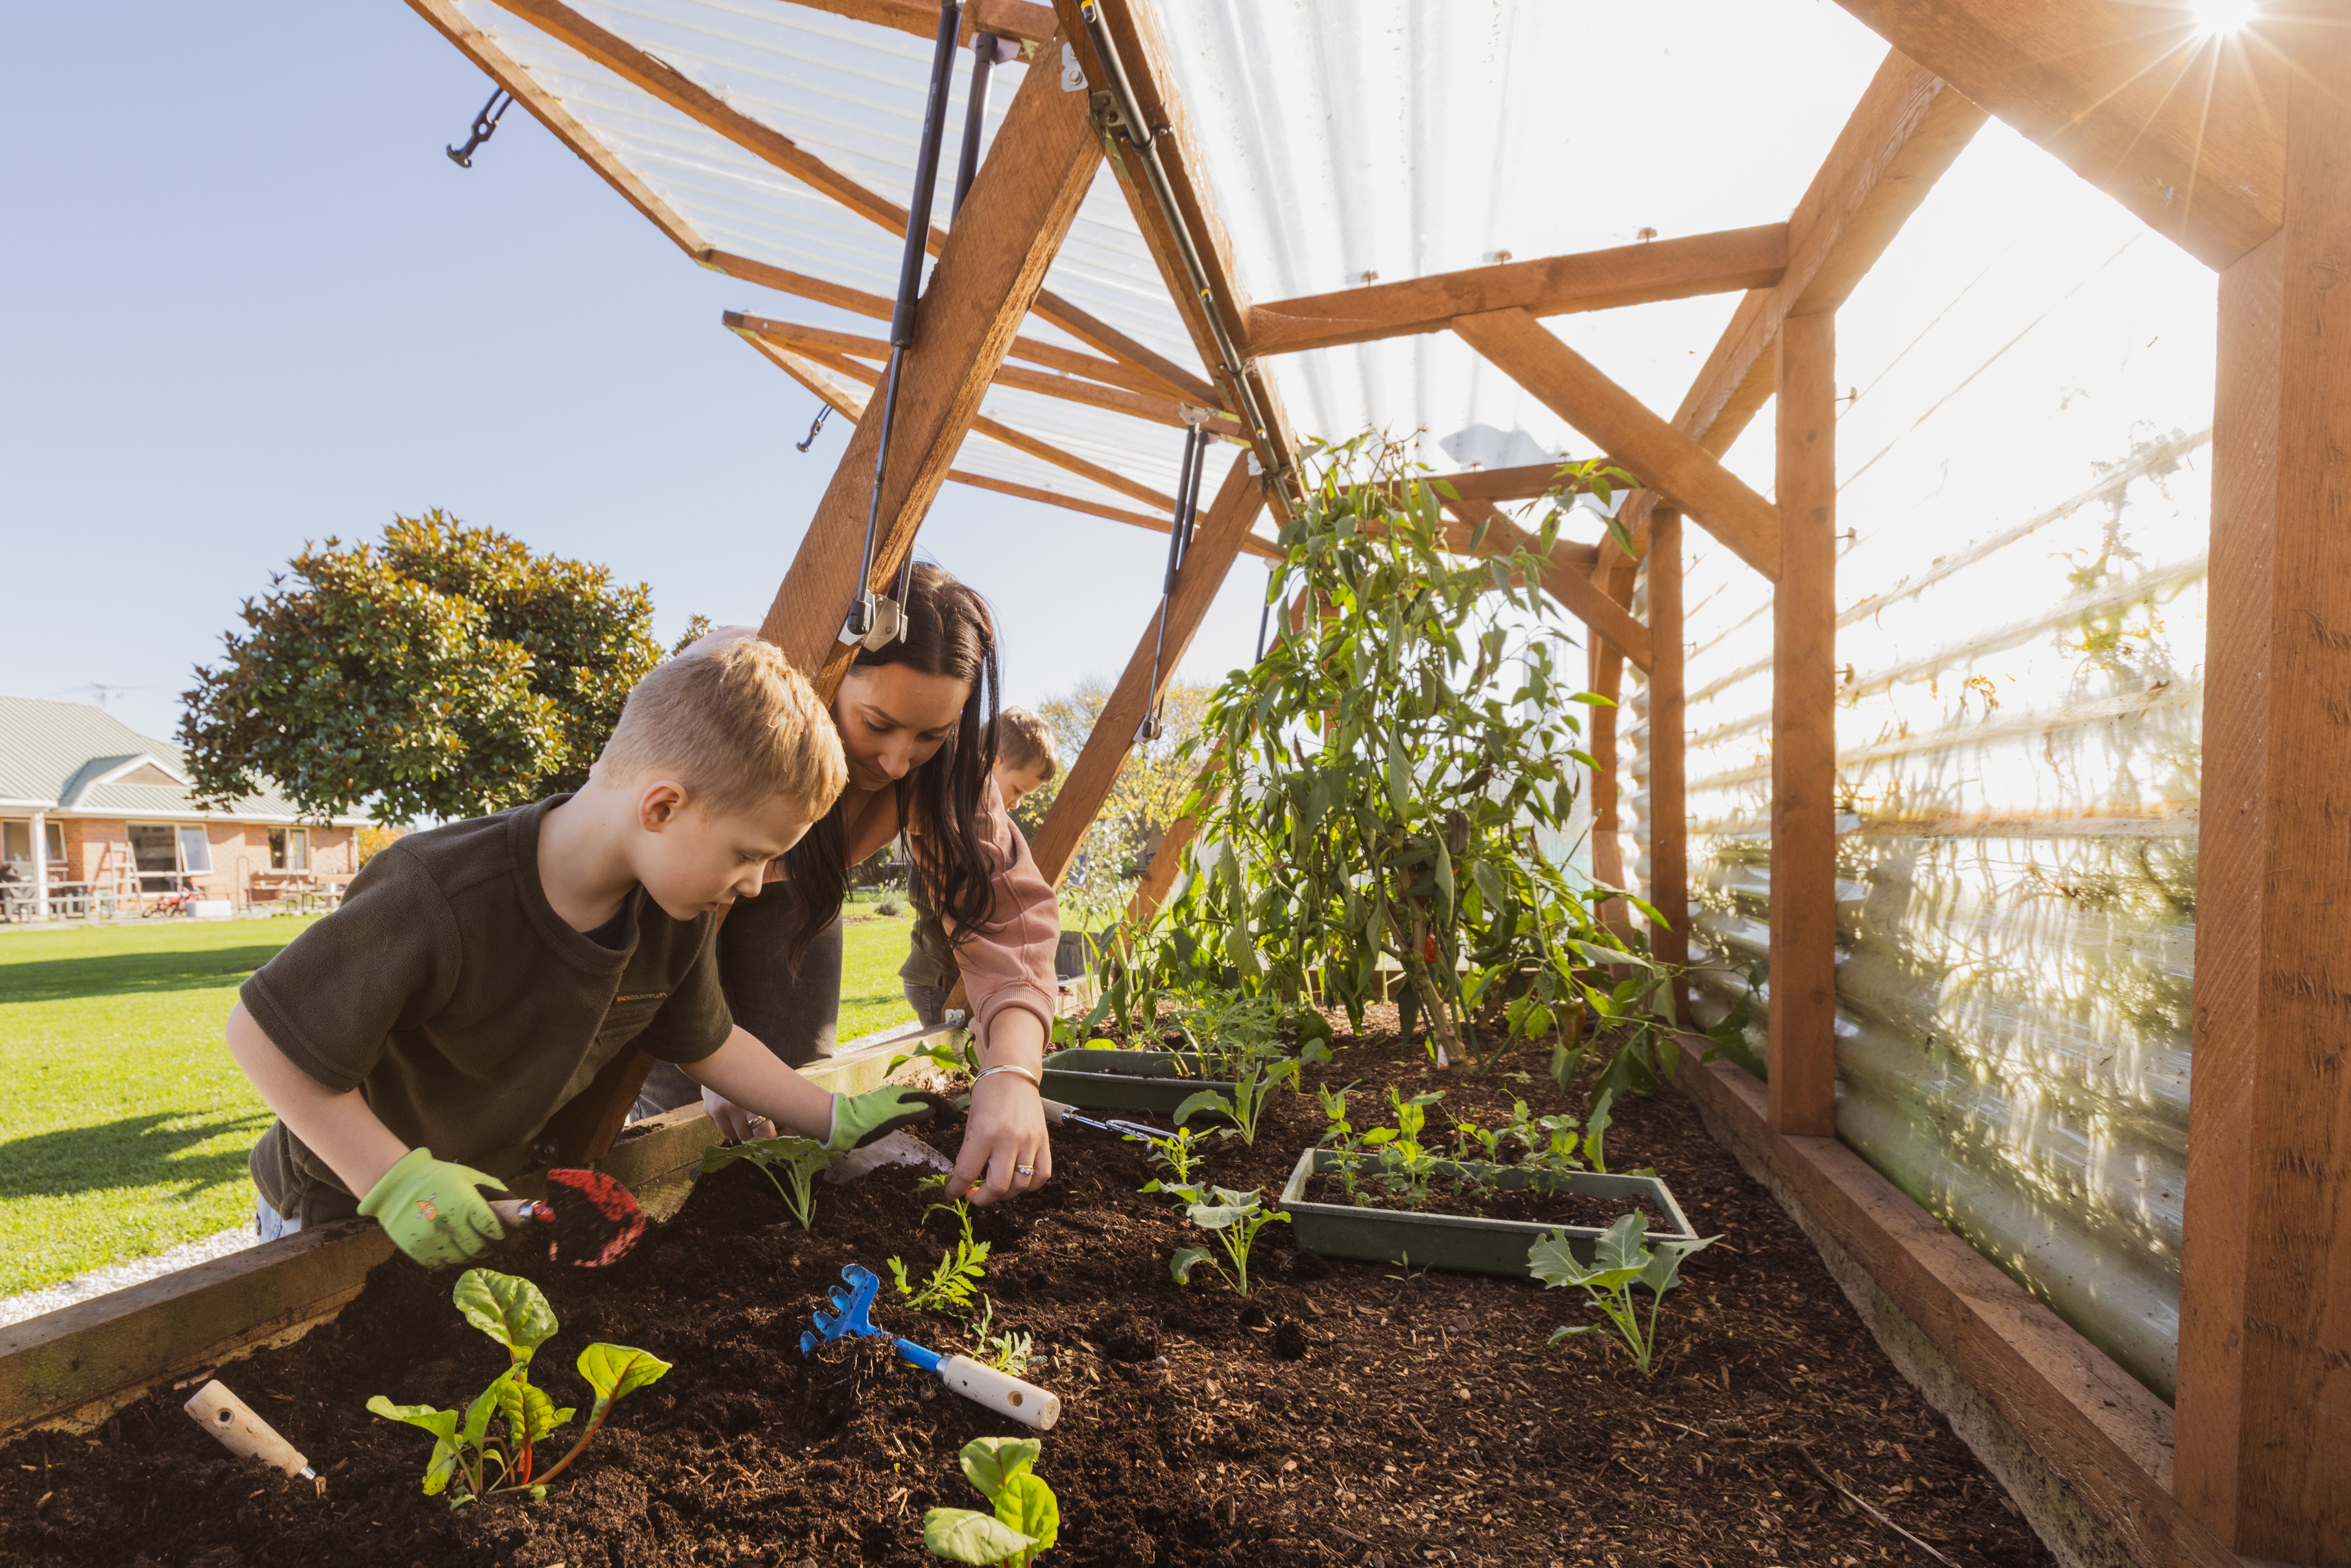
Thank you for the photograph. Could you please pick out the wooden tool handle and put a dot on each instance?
(242, 1432)
(517, 1211)
(1000, 1391)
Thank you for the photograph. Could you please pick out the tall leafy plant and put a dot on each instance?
(1401, 757)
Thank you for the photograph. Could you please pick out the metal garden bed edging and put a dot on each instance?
(1464, 1243)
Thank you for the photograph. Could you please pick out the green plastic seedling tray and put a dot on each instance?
(1126, 1079)
(1462, 1243)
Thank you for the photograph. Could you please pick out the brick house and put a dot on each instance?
(100, 816)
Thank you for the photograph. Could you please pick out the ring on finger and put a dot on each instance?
(1026, 1170)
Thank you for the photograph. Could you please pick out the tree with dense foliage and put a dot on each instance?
(1146, 797)
(1402, 756)
(448, 671)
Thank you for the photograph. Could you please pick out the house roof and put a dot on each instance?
(79, 758)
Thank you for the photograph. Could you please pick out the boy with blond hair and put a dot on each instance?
(415, 1042)
(1025, 761)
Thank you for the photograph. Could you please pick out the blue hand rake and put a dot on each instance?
(976, 1381)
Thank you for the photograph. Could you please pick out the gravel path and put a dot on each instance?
(97, 1281)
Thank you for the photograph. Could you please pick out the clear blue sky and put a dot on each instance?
(250, 303)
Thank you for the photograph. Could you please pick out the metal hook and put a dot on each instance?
(813, 428)
(485, 124)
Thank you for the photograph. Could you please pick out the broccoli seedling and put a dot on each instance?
(1405, 1167)
(1178, 1155)
(1253, 1087)
(1233, 1219)
(956, 1277)
(1026, 1520)
(1619, 1261)
(802, 1160)
(515, 1312)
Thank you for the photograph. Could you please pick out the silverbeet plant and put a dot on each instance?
(1232, 1220)
(800, 1161)
(1026, 1518)
(1619, 1261)
(513, 1313)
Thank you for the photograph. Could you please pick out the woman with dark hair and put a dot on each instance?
(917, 722)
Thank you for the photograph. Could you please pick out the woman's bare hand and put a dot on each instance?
(1005, 1136)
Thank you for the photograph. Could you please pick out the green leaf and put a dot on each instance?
(442, 1424)
(529, 1413)
(1186, 1258)
(485, 1405)
(614, 1369)
(989, 1462)
(511, 1311)
(959, 1535)
(1027, 1505)
(1203, 1100)
(1664, 1271)
(1217, 1216)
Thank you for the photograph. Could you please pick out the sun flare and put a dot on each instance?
(2219, 18)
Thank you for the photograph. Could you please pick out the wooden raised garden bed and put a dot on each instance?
(1342, 1415)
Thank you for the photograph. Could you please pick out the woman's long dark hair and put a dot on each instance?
(950, 633)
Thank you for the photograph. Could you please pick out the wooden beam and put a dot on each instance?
(1069, 388)
(1016, 19)
(2264, 1436)
(1207, 561)
(2090, 1422)
(1803, 1010)
(1135, 30)
(1905, 133)
(1564, 579)
(1021, 207)
(1668, 462)
(672, 86)
(1250, 545)
(547, 110)
(2185, 128)
(1608, 681)
(1668, 812)
(1557, 286)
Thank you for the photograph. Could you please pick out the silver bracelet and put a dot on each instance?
(1031, 1073)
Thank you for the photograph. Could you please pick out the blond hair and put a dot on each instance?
(739, 725)
(1026, 742)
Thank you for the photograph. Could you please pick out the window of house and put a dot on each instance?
(17, 841)
(195, 850)
(290, 849)
(155, 850)
(57, 837)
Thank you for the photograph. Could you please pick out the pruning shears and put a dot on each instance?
(976, 1381)
(1063, 1115)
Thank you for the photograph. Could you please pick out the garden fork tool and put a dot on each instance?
(982, 1384)
(597, 1222)
(1063, 1115)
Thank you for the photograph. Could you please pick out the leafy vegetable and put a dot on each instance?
(1619, 1261)
(1026, 1520)
(513, 1313)
(1252, 1088)
(1232, 1220)
(957, 1279)
(802, 1160)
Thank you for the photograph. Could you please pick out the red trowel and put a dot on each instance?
(592, 1220)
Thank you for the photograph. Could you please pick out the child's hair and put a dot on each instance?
(740, 725)
(1025, 742)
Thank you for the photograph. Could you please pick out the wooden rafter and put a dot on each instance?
(1050, 383)
(1556, 286)
(1018, 19)
(2184, 128)
(1020, 208)
(1145, 53)
(1906, 131)
(1564, 580)
(672, 86)
(1223, 527)
(1669, 463)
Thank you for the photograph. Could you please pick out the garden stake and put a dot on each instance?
(592, 1233)
(982, 1384)
(242, 1432)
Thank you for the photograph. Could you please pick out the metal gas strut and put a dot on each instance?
(987, 52)
(1179, 540)
(867, 621)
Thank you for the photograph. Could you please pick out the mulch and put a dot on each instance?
(1342, 1414)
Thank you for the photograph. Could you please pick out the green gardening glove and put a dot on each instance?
(431, 1210)
(859, 1119)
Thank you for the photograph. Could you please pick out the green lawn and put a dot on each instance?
(126, 1126)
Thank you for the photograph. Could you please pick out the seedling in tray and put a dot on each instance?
(801, 1161)
(1619, 1262)
(515, 1314)
(1026, 1517)
(1233, 1219)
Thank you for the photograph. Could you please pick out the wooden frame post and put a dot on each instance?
(1608, 681)
(1804, 736)
(2264, 1443)
(1668, 809)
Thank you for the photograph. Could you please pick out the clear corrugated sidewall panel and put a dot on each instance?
(2023, 460)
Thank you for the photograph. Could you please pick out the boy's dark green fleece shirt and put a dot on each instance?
(451, 995)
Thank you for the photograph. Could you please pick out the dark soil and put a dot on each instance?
(1341, 1416)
